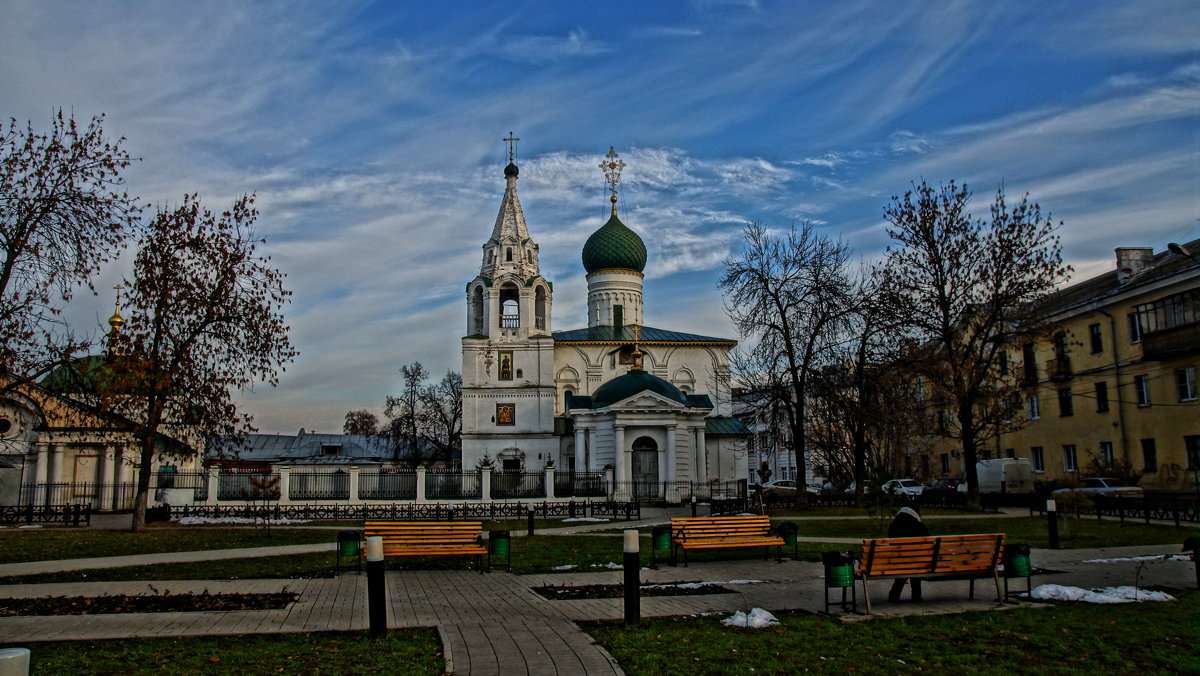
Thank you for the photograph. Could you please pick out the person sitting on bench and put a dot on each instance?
(907, 524)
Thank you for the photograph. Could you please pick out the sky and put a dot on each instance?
(370, 133)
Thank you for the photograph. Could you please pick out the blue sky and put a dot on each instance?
(371, 135)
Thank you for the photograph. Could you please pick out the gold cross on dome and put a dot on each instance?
(612, 167)
(512, 146)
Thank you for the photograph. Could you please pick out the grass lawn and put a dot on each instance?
(21, 545)
(1064, 639)
(407, 651)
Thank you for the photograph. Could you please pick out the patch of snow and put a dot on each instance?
(569, 566)
(30, 525)
(610, 565)
(592, 519)
(201, 520)
(1122, 594)
(757, 619)
(1162, 557)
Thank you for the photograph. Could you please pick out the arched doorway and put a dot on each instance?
(645, 469)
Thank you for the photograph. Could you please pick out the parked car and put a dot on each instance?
(1106, 487)
(953, 484)
(784, 486)
(908, 487)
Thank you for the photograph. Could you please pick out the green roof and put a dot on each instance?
(614, 246)
(722, 426)
(635, 382)
(648, 335)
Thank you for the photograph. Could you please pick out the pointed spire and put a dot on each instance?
(510, 245)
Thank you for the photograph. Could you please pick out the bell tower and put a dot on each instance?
(508, 352)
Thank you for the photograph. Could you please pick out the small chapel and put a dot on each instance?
(650, 404)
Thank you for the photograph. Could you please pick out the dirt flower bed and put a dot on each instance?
(161, 603)
(616, 591)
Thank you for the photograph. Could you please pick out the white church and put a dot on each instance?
(651, 404)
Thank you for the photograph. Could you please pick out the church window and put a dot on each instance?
(506, 414)
(477, 310)
(618, 316)
(625, 356)
(520, 374)
(506, 366)
(510, 317)
(508, 255)
(5, 425)
(539, 308)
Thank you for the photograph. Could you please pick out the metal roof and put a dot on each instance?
(648, 335)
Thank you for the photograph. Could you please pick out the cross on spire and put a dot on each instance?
(512, 146)
(612, 167)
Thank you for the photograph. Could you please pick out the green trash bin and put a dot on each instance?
(500, 546)
(1017, 565)
(349, 547)
(788, 531)
(839, 574)
(660, 547)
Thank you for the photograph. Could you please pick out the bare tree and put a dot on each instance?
(62, 216)
(788, 294)
(424, 421)
(968, 289)
(361, 422)
(403, 411)
(204, 318)
(441, 405)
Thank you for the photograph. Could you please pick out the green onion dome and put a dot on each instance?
(614, 246)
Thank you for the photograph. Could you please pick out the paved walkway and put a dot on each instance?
(496, 624)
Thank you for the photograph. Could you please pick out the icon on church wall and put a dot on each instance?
(506, 366)
(506, 414)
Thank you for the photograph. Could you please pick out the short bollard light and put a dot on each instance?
(1192, 544)
(632, 569)
(14, 662)
(376, 589)
(1052, 522)
(660, 537)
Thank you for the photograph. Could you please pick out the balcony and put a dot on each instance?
(1059, 369)
(1171, 343)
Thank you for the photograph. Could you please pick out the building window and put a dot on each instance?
(506, 366)
(1066, 407)
(1149, 456)
(508, 255)
(1096, 338)
(1010, 452)
(1034, 408)
(331, 449)
(1101, 396)
(506, 414)
(1070, 462)
(1185, 383)
(1106, 454)
(1141, 387)
(1191, 444)
(945, 463)
(1037, 458)
(1030, 363)
(1135, 328)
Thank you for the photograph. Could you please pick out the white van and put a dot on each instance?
(1005, 475)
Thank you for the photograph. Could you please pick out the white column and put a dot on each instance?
(669, 472)
(103, 471)
(43, 463)
(285, 484)
(485, 484)
(702, 454)
(213, 482)
(53, 459)
(549, 483)
(620, 464)
(354, 473)
(421, 483)
(580, 441)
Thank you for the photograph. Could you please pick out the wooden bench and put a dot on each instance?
(946, 557)
(430, 538)
(715, 532)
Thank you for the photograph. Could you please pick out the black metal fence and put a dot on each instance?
(247, 486)
(319, 486)
(1178, 510)
(69, 515)
(411, 511)
(506, 485)
(452, 486)
(400, 485)
(580, 485)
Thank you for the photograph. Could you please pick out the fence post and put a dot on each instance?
(285, 483)
(549, 492)
(420, 483)
(213, 484)
(485, 484)
(354, 474)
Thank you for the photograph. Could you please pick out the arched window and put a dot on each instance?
(539, 308)
(478, 326)
(510, 313)
(508, 255)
